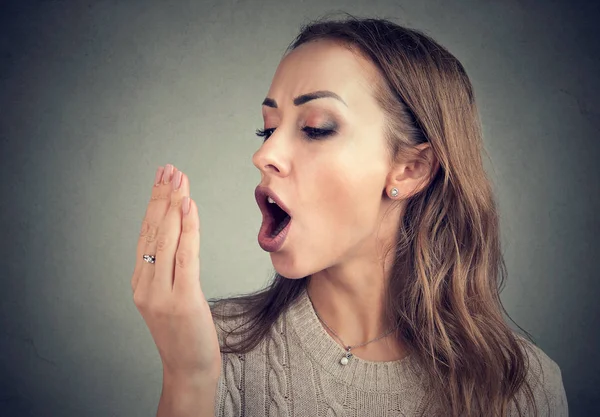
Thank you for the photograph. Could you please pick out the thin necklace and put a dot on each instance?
(346, 358)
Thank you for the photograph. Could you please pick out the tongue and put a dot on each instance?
(278, 226)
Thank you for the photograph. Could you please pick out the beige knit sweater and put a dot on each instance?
(296, 371)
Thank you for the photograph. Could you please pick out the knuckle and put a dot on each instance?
(162, 242)
(153, 306)
(175, 202)
(139, 300)
(151, 236)
(183, 259)
(148, 231)
(159, 196)
(145, 228)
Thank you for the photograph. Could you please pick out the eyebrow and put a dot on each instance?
(305, 98)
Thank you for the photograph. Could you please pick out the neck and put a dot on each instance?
(354, 308)
(350, 296)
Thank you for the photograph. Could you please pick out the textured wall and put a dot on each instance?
(95, 95)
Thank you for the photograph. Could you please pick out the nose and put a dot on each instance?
(270, 160)
(263, 162)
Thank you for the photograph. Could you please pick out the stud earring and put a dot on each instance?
(394, 192)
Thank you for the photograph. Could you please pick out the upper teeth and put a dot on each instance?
(270, 200)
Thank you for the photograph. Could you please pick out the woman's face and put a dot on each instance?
(333, 185)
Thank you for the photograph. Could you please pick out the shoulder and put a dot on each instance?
(545, 379)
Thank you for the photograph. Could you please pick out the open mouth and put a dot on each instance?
(276, 221)
(278, 218)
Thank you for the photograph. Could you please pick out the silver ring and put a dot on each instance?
(149, 258)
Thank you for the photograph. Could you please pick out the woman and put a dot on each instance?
(383, 231)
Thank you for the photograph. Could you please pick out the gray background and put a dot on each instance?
(94, 96)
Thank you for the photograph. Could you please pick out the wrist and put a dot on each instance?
(191, 380)
(191, 377)
(187, 395)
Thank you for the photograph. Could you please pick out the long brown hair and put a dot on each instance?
(448, 267)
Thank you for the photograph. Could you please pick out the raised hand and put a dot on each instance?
(167, 293)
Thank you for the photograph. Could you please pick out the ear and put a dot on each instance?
(414, 172)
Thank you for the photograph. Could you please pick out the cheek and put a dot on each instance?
(339, 207)
(346, 191)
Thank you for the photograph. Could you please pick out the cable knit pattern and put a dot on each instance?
(232, 381)
(295, 371)
(233, 375)
(278, 379)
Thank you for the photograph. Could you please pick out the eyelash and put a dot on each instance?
(313, 133)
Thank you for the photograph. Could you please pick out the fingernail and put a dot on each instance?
(186, 205)
(168, 173)
(177, 180)
(158, 176)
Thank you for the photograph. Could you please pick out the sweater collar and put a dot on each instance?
(391, 376)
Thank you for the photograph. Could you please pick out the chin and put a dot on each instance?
(287, 269)
(291, 274)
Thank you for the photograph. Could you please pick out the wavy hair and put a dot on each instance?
(448, 268)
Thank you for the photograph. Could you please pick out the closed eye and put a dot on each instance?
(315, 132)
(312, 133)
(264, 133)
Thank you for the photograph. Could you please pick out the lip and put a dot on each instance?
(261, 193)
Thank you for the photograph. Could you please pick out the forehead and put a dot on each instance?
(324, 65)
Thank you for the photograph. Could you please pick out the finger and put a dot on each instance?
(167, 241)
(149, 223)
(187, 258)
(155, 212)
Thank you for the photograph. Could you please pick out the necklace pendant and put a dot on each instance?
(347, 356)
